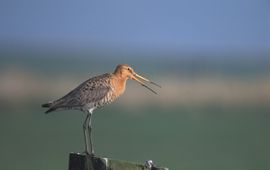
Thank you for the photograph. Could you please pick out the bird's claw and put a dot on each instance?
(89, 153)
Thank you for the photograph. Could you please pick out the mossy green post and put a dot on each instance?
(79, 161)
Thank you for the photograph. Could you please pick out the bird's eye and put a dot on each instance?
(128, 68)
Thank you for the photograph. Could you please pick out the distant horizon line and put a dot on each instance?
(138, 50)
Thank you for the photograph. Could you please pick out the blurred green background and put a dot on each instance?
(211, 58)
(209, 114)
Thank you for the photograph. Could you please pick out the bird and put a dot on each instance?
(96, 92)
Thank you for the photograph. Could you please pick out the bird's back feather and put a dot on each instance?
(93, 90)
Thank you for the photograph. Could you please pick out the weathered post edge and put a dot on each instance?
(78, 161)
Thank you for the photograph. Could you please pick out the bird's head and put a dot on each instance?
(126, 72)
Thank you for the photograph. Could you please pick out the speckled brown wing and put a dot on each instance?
(92, 91)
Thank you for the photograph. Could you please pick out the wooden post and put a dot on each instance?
(78, 161)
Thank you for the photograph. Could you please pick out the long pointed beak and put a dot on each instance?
(145, 79)
(139, 79)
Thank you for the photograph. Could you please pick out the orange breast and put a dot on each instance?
(119, 85)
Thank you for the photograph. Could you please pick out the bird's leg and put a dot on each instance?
(86, 133)
(90, 132)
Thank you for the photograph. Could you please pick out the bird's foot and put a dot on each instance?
(89, 153)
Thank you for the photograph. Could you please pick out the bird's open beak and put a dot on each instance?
(140, 80)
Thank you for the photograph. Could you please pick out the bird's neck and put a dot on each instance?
(120, 84)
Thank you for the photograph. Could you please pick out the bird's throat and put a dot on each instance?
(121, 86)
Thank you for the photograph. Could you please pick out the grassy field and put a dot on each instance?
(182, 137)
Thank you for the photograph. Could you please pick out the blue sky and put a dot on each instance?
(192, 24)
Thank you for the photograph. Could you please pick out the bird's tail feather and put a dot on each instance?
(47, 104)
(50, 110)
(50, 106)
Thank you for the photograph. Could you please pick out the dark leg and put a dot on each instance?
(90, 133)
(86, 134)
